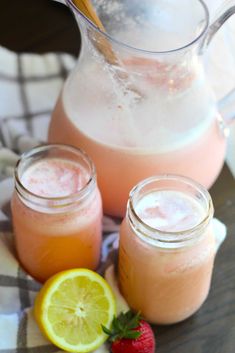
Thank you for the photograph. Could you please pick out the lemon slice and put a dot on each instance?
(71, 307)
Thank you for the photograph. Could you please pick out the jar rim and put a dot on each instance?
(169, 237)
(59, 200)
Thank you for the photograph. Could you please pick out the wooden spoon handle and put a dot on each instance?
(105, 48)
(88, 10)
(101, 43)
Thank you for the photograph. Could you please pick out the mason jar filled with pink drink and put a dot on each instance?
(57, 211)
(167, 248)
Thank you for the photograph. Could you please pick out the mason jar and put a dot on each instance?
(167, 248)
(56, 210)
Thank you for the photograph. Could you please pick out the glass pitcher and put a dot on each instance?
(138, 101)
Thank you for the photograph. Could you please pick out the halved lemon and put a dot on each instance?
(71, 307)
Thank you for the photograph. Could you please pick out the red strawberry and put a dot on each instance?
(130, 334)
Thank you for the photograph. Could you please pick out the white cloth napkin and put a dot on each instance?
(29, 86)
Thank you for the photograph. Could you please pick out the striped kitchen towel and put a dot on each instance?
(29, 86)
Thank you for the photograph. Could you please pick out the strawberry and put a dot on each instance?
(130, 334)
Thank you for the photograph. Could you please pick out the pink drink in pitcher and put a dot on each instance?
(199, 154)
(139, 100)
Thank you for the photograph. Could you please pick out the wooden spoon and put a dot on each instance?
(105, 48)
(101, 43)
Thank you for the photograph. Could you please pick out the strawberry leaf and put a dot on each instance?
(133, 334)
(124, 326)
(106, 330)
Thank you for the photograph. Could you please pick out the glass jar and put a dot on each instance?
(167, 248)
(57, 211)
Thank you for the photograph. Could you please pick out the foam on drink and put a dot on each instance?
(53, 177)
(169, 210)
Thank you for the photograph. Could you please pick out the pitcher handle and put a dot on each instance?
(226, 105)
(223, 13)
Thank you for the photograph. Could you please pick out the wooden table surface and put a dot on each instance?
(41, 26)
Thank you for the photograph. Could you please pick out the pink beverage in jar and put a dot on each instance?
(167, 248)
(57, 211)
